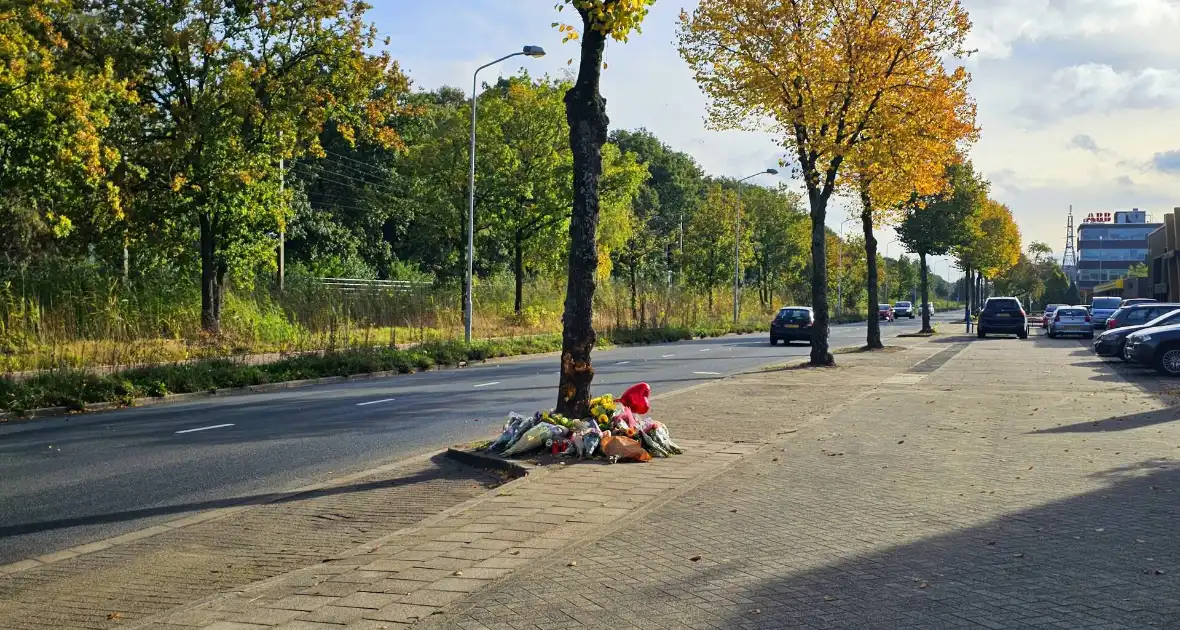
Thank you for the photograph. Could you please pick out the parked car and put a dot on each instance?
(1130, 301)
(1155, 347)
(1002, 315)
(1111, 342)
(1101, 308)
(1049, 308)
(903, 309)
(928, 309)
(885, 312)
(793, 323)
(1071, 320)
(1137, 314)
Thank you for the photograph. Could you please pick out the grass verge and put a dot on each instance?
(75, 388)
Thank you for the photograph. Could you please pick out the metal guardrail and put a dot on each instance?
(362, 284)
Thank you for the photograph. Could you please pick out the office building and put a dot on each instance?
(1109, 243)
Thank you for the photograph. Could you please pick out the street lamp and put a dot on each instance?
(840, 267)
(468, 306)
(737, 241)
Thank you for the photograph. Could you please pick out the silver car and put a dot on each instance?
(1071, 320)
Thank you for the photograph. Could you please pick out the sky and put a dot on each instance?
(1079, 100)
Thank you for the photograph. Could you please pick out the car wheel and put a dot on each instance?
(1022, 334)
(1052, 335)
(1167, 360)
(773, 341)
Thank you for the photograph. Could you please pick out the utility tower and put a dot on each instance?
(1069, 258)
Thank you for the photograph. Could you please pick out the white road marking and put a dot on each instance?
(487, 384)
(374, 402)
(667, 355)
(708, 373)
(705, 349)
(622, 363)
(216, 426)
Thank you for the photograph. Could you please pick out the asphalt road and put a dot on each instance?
(71, 481)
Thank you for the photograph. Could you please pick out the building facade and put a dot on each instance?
(1163, 265)
(1109, 243)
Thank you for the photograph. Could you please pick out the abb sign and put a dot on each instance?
(1098, 217)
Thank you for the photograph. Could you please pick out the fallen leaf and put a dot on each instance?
(901, 441)
(572, 563)
(1017, 555)
(774, 459)
(923, 585)
(113, 616)
(514, 553)
(1100, 529)
(733, 510)
(829, 598)
(695, 559)
(457, 574)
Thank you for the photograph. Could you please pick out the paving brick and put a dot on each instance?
(400, 612)
(366, 600)
(334, 614)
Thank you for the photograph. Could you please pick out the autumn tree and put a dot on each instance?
(904, 156)
(774, 222)
(55, 160)
(819, 73)
(228, 89)
(585, 111)
(933, 225)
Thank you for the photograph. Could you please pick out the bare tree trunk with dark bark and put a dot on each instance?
(585, 110)
(873, 337)
(925, 296)
(518, 272)
(210, 294)
(820, 354)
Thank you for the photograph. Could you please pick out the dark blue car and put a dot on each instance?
(1002, 316)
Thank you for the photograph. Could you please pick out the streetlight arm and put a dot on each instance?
(492, 63)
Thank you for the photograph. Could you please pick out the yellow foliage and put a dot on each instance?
(831, 76)
(615, 19)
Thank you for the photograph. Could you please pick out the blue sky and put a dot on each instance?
(1079, 100)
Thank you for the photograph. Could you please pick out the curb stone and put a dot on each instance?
(478, 459)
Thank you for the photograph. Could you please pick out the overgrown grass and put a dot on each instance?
(76, 388)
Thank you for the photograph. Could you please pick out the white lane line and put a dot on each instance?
(705, 349)
(667, 355)
(622, 363)
(487, 384)
(216, 426)
(374, 402)
(708, 373)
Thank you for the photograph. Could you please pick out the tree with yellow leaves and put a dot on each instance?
(902, 160)
(585, 110)
(822, 74)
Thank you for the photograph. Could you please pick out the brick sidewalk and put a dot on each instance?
(561, 510)
(1000, 484)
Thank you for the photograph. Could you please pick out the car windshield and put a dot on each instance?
(1167, 319)
(1072, 312)
(794, 315)
(1106, 303)
(884, 307)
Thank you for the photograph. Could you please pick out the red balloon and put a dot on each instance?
(636, 398)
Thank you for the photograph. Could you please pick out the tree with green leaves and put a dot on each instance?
(227, 90)
(709, 244)
(933, 226)
(776, 224)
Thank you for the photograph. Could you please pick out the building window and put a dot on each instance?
(1116, 234)
(1120, 255)
(1100, 275)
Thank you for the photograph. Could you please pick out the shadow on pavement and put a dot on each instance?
(1118, 423)
(1107, 558)
(442, 470)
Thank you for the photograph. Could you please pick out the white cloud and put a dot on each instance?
(1093, 87)
(1085, 142)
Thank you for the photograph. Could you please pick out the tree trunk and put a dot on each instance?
(518, 271)
(634, 280)
(820, 354)
(585, 110)
(210, 308)
(873, 337)
(925, 296)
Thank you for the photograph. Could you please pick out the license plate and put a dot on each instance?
(1003, 315)
(791, 326)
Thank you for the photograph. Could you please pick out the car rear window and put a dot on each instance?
(903, 304)
(793, 315)
(1001, 304)
(1106, 302)
(1072, 312)
(1052, 307)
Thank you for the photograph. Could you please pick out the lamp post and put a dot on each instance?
(840, 267)
(737, 241)
(468, 301)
